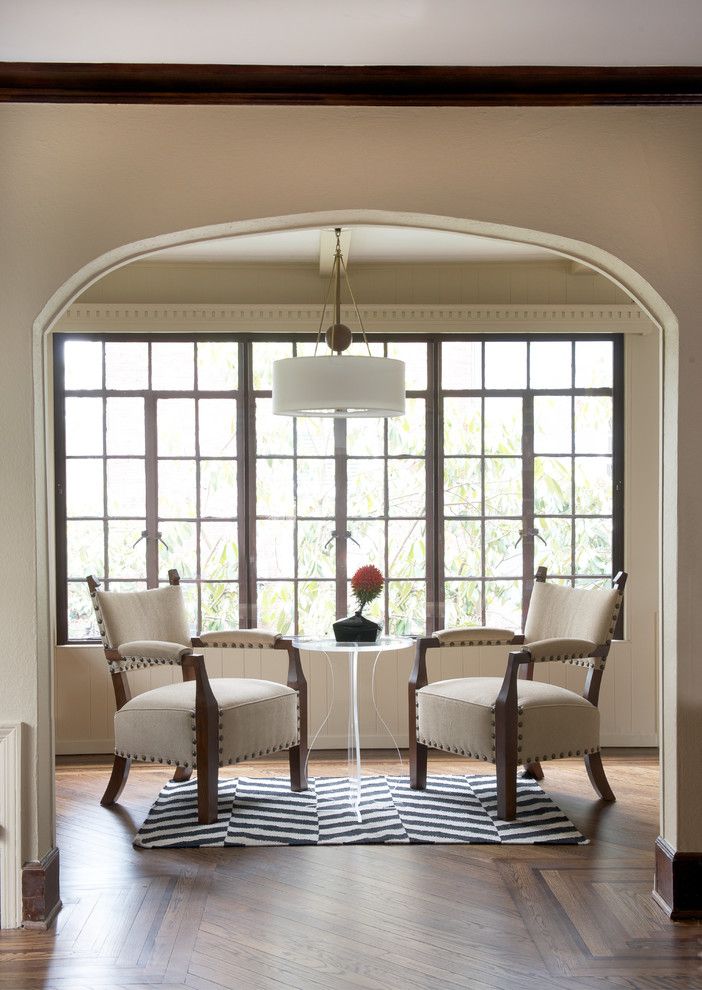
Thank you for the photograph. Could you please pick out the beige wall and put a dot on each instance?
(79, 181)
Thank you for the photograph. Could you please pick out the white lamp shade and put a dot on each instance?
(339, 385)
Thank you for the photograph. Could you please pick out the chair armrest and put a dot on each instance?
(296, 675)
(146, 653)
(238, 638)
(477, 636)
(543, 650)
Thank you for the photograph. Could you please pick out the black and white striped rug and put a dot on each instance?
(263, 811)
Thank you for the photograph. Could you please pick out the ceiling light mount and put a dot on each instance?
(358, 385)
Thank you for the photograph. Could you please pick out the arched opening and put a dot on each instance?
(599, 261)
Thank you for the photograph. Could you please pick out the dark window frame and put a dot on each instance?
(246, 450)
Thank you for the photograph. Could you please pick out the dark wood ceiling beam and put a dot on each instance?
(374, 85)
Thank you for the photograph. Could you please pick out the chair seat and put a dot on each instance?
(458, 715)
(256, 717)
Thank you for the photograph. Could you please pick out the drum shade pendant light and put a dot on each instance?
(337, 384)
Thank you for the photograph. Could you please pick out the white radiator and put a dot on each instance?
(10, 826)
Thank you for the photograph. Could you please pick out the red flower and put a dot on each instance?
(367, 583)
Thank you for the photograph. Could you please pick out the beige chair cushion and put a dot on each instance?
(256, 717)
(130, 616)
(558, 612)
(474, 636)
(256, 638)
(458, 716)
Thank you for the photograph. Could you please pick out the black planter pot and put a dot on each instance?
(356, 629)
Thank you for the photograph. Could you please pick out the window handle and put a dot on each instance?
(145, 536)
(530, 532)
(335, 536)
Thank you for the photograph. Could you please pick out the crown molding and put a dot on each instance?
(349, 85)
(164, 318)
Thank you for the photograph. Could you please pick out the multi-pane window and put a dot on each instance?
(528, 471)
(509, 456)
(149, 477)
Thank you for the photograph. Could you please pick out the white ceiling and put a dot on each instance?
(360, 32)
(368, 245)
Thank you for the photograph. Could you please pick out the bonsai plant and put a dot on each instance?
(366, 585)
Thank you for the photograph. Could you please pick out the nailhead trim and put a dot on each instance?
(236, 646)
(475, 642)
(136, 663)
(100, 620)
(560, 756)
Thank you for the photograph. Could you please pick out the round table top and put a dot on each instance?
(331, 646)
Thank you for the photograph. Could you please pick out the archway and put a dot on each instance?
(613, 268)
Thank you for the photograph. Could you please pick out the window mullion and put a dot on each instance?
(340, 515)
(246, 489)
(151, 475)
(435, 491)
(528, 522)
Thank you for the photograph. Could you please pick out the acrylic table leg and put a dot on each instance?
(354, 750)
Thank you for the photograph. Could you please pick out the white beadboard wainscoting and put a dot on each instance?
(85, 700)
(10, 826)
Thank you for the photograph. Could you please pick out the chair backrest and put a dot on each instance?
(559, 612)
(128, 616)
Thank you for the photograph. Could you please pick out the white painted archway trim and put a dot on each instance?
(613, 268)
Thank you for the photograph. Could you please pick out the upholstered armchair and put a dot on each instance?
(516, 719)
(197, 724)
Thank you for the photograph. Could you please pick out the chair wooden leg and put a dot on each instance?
(118, 778)
(182, 774)
(598, 779)
(533, 771)
(297, 756)
(207, 796)
(418, 766)
(506, 767)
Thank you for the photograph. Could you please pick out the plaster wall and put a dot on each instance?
(78, 181)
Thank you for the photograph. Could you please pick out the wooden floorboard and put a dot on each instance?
(358, 917)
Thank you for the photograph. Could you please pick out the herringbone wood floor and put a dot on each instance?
(359, 918)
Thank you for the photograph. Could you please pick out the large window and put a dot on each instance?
(168, 455)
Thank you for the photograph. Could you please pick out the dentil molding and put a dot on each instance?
(165, 317)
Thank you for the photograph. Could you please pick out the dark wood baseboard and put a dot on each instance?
(41, 900)
(678, 881)
(349, 85)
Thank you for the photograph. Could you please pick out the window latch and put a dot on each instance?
(530, 532)
(145, 536)
(335, 536)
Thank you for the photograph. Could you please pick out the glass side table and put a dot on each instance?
(331, 649)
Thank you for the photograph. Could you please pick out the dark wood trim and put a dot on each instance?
(678, 881)
(41, 898)
(344, 85)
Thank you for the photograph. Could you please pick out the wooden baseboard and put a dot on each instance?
(41, 899)
(678, 881)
